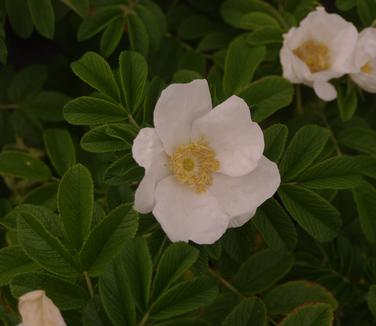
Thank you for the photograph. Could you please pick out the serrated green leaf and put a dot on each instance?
(361, 139)
(255, 20)
(108, 237)
(347, 102)
(96, 72)
(316, 314)
(185, 76)
(176, 259)
(261, 270)
(138, 36)
(286, 297)
(267, 95)
(43, 16)
(13, 262)
(87, 110)
(184, 297)
(60, 149)
(265, 35)
(133, 74)
(81, 7)
(111, 36)
(19, 17)
(275, 141)
(152, 94)
(366, 11)
(44, 195)
(22, 165)
(241, 63)
(312, 212)
(65, 295)
(275, 226)
(123, 171)
(250, 312)
(303, 149)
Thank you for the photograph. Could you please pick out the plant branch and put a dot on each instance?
(144, 319)
(89, 284)
(133, 121)
(225, 283)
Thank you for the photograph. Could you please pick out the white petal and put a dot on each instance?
(240, 220)
(237, 141)
(365, 81)
(144, 197)
(242, 195)
(185, 215)
(178, 106)
(325, 90)
(145, 146)
(37, 309)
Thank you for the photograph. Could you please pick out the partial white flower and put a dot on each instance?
(365, 60)
(204, 168)
(319, 49)
(37, 309)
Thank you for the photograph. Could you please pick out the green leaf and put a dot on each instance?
(44, 195)
(152, 95)
(347, 102)
(183, 298)
(194, 26)
(45, 248)
(19, 17)
(261, 270)
(250, 312)
(134, 73)
(345, 5)
(22, 165)
(123, 171)
(366, 11)
(93, 24)
(60, 149)
(255, 20)
(65, 295)
(176, 259)
(138, 36)
(341, 172)
(116, 295)
(108, 237)
(43, 17)
(81, 7)
(275, 141)
(371, 299)
(365, 199)
(138, 268)
(267, 95)
(361, 139)
(13, 262)
(316, 314)
(303, 149)
(275, 226)
(75, 203)
(312, 212)
(241, 63)
(300, 8)
(286, 297)
(87, 110)
(102, 140)
(265, 35)
(185, 76)
(95, 71)
(111, 36)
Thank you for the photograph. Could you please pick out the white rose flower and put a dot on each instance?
(320, 49)
(37, 309)
(365, 60)
(204, 168)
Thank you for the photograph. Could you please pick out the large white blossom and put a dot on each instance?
(365, 60)
(319, 49)
(204, 168)
(37, 309)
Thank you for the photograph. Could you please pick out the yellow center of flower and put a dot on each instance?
(314, 54)
(193, 165)
(367, 68)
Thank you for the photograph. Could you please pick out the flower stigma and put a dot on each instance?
(314, 54)
(193, 165)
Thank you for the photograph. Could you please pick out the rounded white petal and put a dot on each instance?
(145, 146)
(237, 141)
(144, 196)
(37, 309)
(240, 220)
(178, 106)
(365, 81)
(185, 215)
(325, 90)
(242, 195)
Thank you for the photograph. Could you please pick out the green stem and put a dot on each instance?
(89, 284)
(133, 121)
(225, 283)
(298, 100)
(332, 136)
(144, 319)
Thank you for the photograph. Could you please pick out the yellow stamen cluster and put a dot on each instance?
(367, 68)
(193, 165)
(315, 55)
